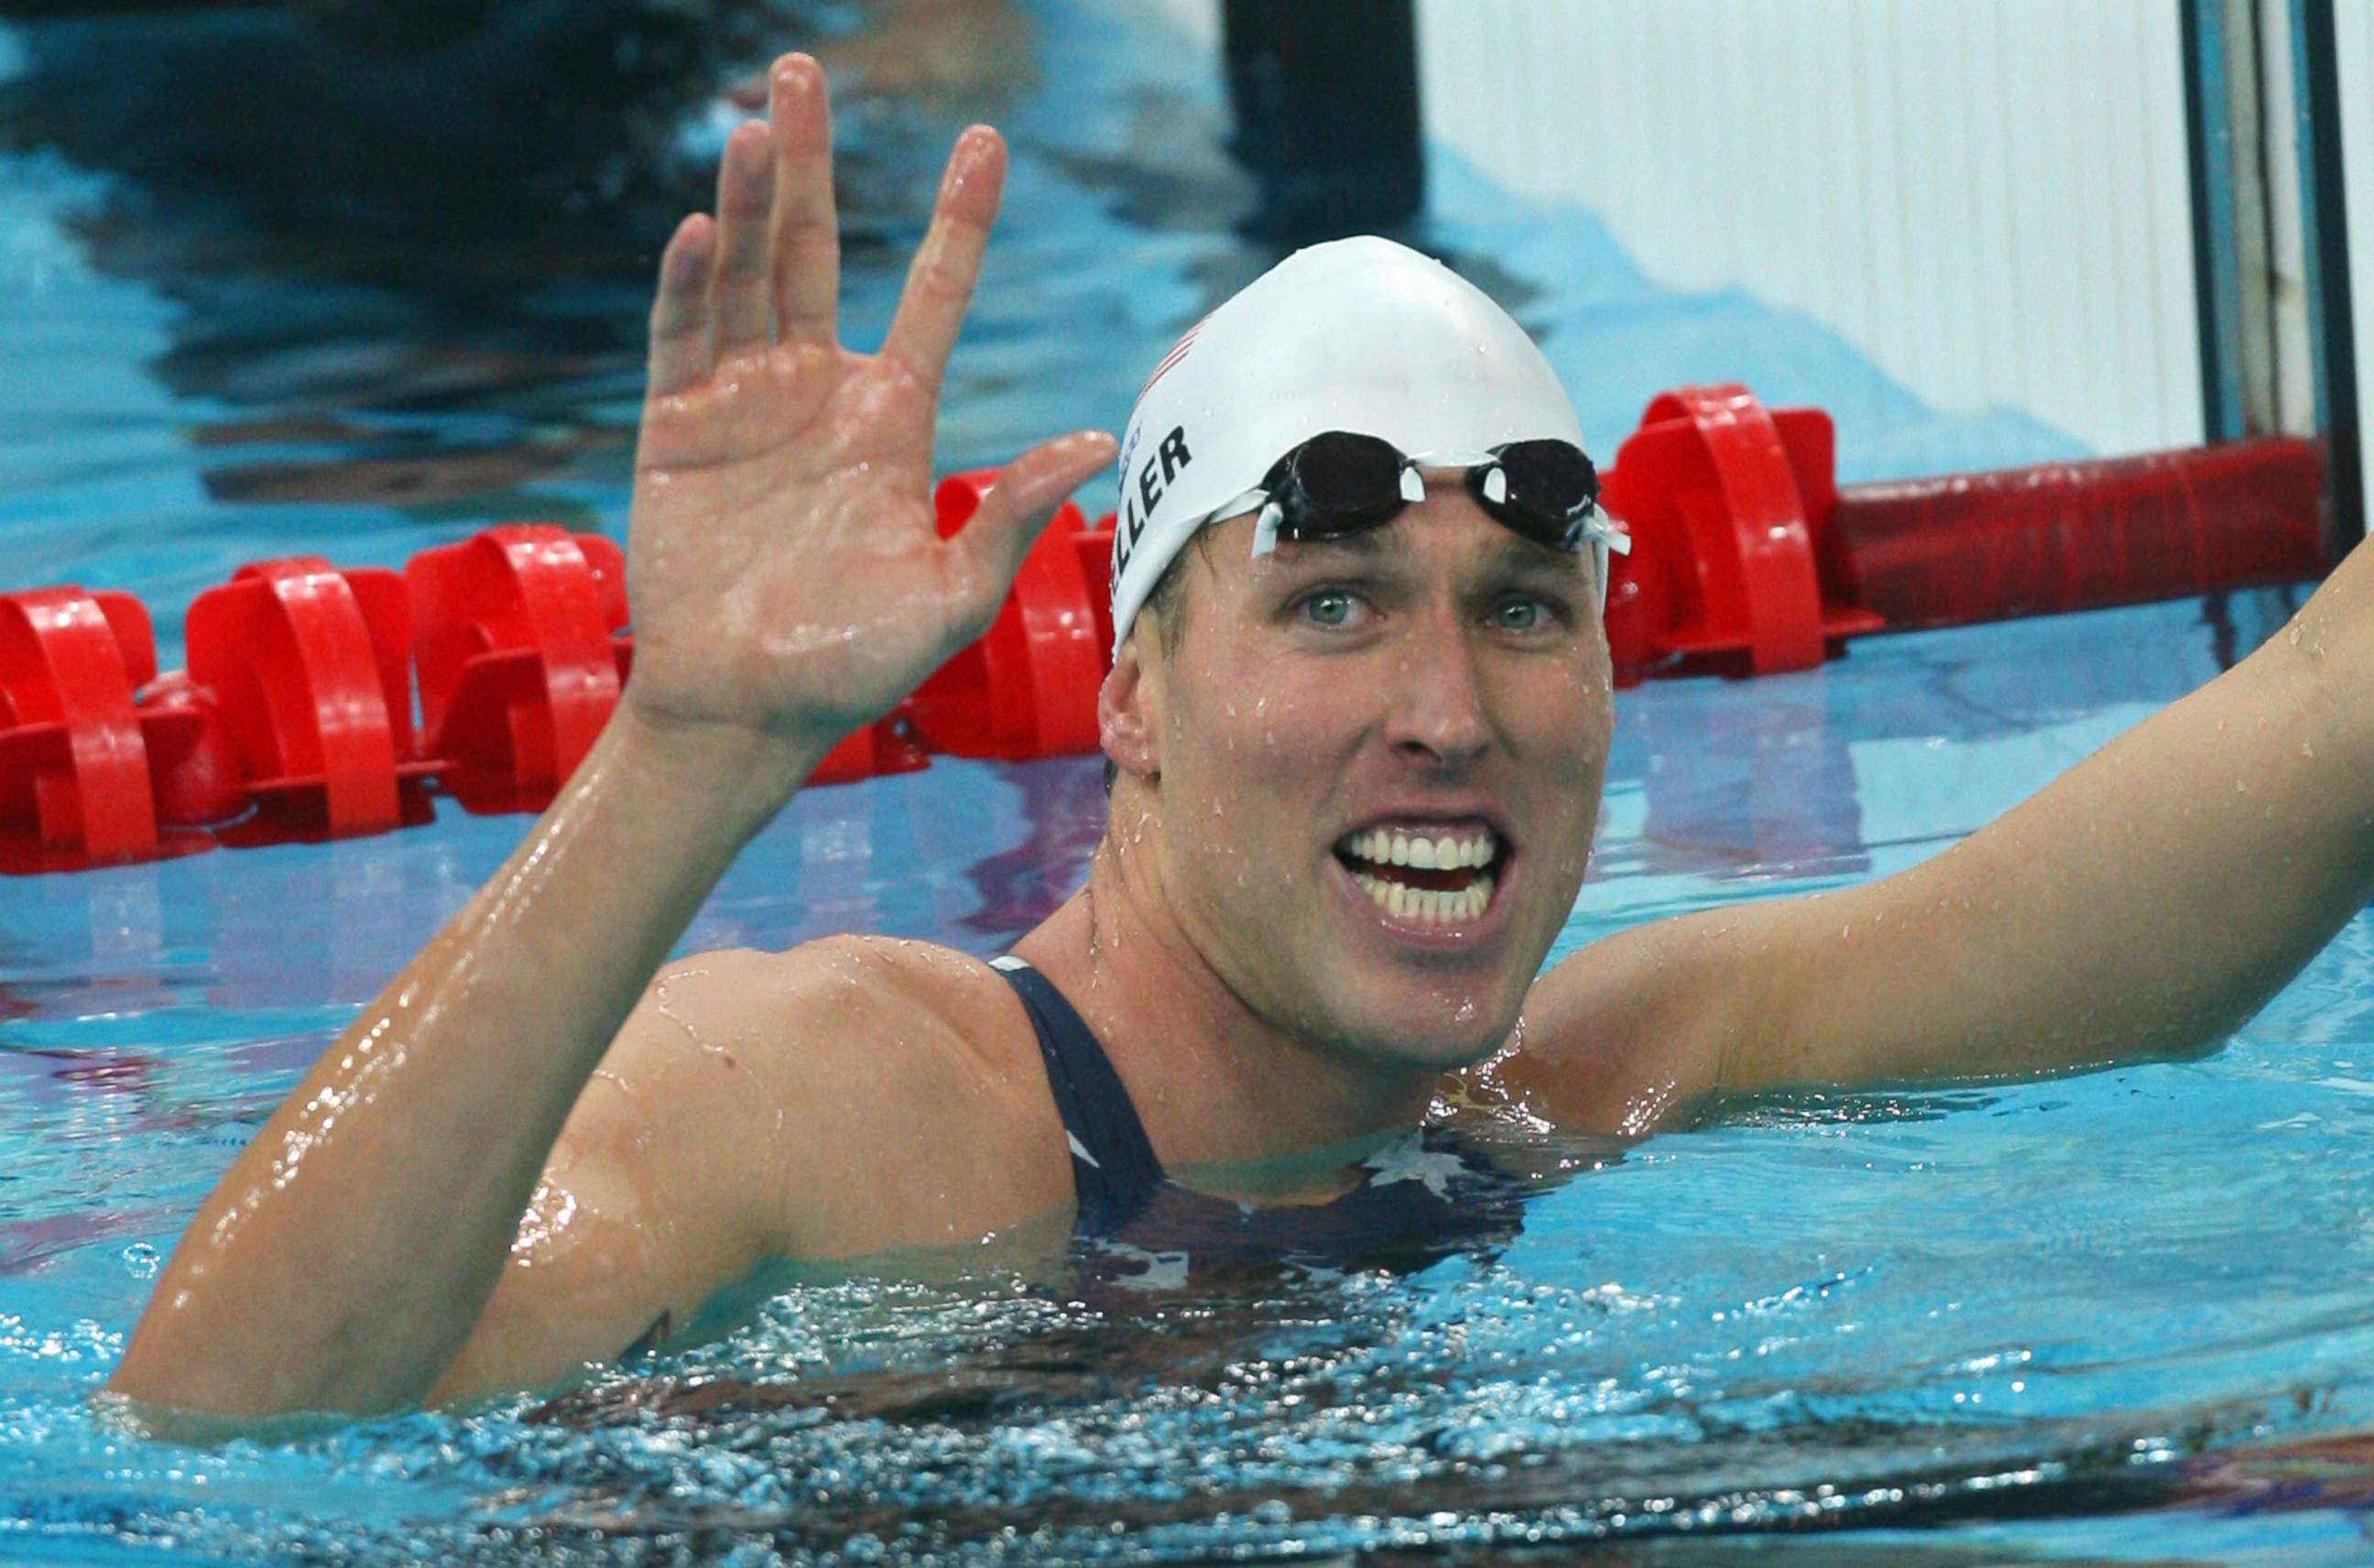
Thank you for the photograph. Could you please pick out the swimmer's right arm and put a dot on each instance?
(789, 584)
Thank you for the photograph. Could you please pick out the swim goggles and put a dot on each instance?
(1340, 482)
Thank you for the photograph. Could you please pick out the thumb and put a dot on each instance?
(1019, 501)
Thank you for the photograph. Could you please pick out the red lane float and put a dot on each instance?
(519, 642)
(1748, 557)
(73, 765)
(307, 667)
(294, 719)
(2061, 536)
(1733, 556)
(1027, 687)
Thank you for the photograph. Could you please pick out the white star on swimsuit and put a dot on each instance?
(1411, 1160)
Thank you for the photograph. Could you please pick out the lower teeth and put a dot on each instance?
(1428, 906)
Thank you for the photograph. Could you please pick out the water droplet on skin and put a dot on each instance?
(2306, 749)
(2293, 636)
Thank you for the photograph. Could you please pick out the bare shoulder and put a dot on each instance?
(878, 1006)
(847, 1098)
(899, 1083)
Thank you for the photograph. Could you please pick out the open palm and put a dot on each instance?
(783, 558)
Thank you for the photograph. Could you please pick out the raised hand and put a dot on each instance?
(786, 572)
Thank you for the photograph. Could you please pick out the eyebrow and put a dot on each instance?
(1367, 543)
(1521, 555)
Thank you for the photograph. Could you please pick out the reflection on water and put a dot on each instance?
(411, 245)
(452, 147)
(1063, 808)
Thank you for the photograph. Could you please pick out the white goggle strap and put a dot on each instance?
(1265, 527)
(1604, 535)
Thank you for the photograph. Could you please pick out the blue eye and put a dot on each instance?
(1519, 615)
(1328, 607)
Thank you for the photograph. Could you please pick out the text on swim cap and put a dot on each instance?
(1138, 501)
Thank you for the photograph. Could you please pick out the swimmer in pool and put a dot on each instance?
(1357, 722)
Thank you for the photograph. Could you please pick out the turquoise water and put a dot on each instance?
(2058, 1320)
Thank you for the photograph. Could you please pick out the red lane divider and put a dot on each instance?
(307, 665)
(518, 638)
(295, 718)
(73, 766)
(2073, 535)
(1749, 558)
(1729, 506)
(1027, 687)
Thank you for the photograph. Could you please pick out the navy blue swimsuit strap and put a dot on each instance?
(1113, 1166)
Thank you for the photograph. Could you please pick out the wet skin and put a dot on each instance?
(638, 1139)
(1436, 674)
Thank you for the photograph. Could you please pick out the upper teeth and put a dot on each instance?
(1385, 846)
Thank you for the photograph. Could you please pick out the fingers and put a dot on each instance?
(680, 310)
(805, 240)
(1027, 493)
(746, 200)
(940, 280)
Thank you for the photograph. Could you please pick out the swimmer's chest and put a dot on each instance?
(1421, 1198)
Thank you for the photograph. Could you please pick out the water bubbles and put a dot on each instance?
(141, 1260)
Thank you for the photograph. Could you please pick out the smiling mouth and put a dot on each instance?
(1426, 878)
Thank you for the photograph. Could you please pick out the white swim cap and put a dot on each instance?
(1356, 334)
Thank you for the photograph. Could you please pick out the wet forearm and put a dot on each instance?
(2143, 905)
(2179, 879)
(2151, 899)
(345, 1256)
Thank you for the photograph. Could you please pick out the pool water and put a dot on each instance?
(2076, 1319)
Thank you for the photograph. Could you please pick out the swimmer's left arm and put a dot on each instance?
(2144, 905)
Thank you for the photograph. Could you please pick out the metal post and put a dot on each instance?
(1325, 93)
(2325, 219)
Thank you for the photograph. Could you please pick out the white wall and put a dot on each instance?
(2352, 28)
(1988, 197)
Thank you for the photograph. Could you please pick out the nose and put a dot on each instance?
(1438, 718)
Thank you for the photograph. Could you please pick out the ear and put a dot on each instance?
(1125, 718)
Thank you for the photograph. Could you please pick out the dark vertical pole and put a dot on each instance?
(2332, 334)
(1325, 94)
(2216, 281)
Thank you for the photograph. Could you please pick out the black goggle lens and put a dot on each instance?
(1341, 481)
(1333, 483)
(1550, 480)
